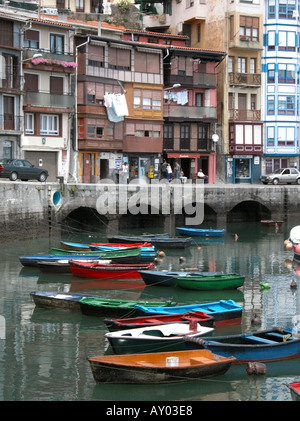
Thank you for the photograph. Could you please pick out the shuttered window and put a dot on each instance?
(146, 62)
(56, 85)
(31, 82)
(31, 39)
(119, 59)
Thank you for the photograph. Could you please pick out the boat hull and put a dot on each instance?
(225, 313)
(247, 348)
(53, 300)
(201, 232)
(100, 307)
(208, 283)
(153, 368)
(95, 271)
(295, 391)
(159, 241)
(131, 323)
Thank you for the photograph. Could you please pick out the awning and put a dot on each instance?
(184, 155)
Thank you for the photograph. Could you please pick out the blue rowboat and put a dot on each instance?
(201, 232)
(264, 345)
(224, 312)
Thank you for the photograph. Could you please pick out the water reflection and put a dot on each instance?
(43, 355)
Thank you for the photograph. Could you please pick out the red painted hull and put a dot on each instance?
(112, 271)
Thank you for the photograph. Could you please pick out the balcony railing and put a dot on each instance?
(11, 123)
(244, 115)
(249, 79)
(203, 145)
(186, 112)
(43, 99)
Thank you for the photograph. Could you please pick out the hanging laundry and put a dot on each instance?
(120, 105)
(115, 107)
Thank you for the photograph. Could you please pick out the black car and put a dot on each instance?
(22, 169)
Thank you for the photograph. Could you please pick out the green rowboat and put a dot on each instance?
(94, 306)
(206, 283)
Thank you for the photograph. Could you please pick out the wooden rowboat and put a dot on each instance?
(102, 307)
(165, 337)
(295, 390)
(158, 241)
(62, 265)
(164, 278)
(201, 232)
(224, 312)
(58, 300)
(210, 282)
(271, 223)
(158, 367)
(133, 322)
(110, 271)
(265, 345)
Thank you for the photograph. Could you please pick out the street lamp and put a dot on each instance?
(37, 55)
(167, 90)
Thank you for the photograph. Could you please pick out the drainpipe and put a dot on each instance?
(76, 119)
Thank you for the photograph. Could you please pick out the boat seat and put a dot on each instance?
(261, 340)
(200, 360)
(278, 335)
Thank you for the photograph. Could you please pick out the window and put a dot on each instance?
(198, 33)
(271, 73)
(199, 99)
(252, 65)
(49, 125)
(119, 59)
(31, 39)
(286, 105)
(286, 73)
(182, 66)
(56, 44)
(146, 62)
(147, 99)
(253, 102)
(95, 130)
(249, 28)
(96, 56)
(184, 136)
(29, 123)
(286, 9)
(271, 40)
(271, 9)
(56, 85)
(270, 136)
(286, 136)
(241, 65)
(79, 5)
(287, 41)
(31, 82)
(230, 64)
(271, 104)
(137, 98)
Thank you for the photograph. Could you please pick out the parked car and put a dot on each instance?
(22, 169)
(282, 176)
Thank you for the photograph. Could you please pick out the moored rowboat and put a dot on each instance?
(159, 241)
(212, 282)
(63, 266)
(208, 232)
(58, 300)
(295, 390)
(158, 367)
(143, 321)
(224, 312)
(265, 345)
(164, 278)
(164, 337)
(110, 271)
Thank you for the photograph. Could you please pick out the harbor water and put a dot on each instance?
(43, 352)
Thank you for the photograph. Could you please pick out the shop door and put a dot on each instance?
(144, 168)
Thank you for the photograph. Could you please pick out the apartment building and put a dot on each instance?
(281, 85)
(11, 114)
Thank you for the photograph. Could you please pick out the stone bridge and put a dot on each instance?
(32, 206)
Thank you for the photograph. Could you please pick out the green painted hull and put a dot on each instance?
(208, 283)
(107, 254)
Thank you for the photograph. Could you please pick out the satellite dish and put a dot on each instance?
(215, 138)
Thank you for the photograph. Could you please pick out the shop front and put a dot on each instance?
(191, 163)
(243, 169)
(145, 168)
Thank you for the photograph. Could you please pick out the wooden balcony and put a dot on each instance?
(99, 145)
(245, 79)
(244, 115)
(142, 144)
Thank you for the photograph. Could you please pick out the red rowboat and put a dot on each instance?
(295, 390)
(108, 271)
(143, 321)
(271, 223)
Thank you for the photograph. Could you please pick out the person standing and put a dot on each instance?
(125, 170)
(169, 170)
(177, 170)
(164, 173)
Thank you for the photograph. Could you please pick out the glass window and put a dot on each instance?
(29, 123)
(242, 168)
(49, 125)
(56, 44)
